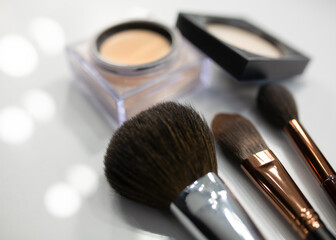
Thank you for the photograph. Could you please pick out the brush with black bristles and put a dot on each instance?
(239, 139)
(278, 106)
(164, 157)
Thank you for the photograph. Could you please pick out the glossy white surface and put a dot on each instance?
(53, 140)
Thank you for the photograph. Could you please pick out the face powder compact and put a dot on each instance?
(132, 65)
(240, 48)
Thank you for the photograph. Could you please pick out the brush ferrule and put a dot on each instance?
(270, 176)
(210, 211)
(309, 151)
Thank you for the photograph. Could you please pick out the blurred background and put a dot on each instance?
(53, 139)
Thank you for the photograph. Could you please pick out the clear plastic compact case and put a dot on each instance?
(123, 91)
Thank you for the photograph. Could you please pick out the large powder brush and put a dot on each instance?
(241, 141)
(165, 158)
(278, 105)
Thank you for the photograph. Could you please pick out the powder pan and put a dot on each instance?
(136, 69)
(241, 64)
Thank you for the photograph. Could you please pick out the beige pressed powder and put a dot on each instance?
(244, 40)
(134, 47)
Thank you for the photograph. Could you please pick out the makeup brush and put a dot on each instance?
(278, 106)
(165, 158)
(239, 139)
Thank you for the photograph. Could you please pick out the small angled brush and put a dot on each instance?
(165, 158)
(239, 139)
(278, 106)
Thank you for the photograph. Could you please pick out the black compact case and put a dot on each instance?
(241, 64)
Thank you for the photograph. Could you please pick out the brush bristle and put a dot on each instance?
(152, 157)
(237, 136)
(277, 104)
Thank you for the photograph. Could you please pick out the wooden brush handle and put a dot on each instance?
(329, 186)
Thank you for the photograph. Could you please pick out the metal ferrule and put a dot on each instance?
(209, 211)
(309, 151)
(270, 176)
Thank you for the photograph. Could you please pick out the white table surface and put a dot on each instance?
(53, 140)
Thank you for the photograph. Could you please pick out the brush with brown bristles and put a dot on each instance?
(240, 140)
(164, 157)
(278, 106)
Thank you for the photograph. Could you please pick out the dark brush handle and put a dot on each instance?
(321, 233)
(324, 173)
(329, 186)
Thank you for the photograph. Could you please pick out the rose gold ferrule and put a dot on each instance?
(270, 176)
(309, 151)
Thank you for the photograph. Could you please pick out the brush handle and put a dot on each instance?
(209, 211)
(329, 186)
(321, 233)
(313, 157)
(270, 176)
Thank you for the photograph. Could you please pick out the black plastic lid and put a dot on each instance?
(241, 64)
